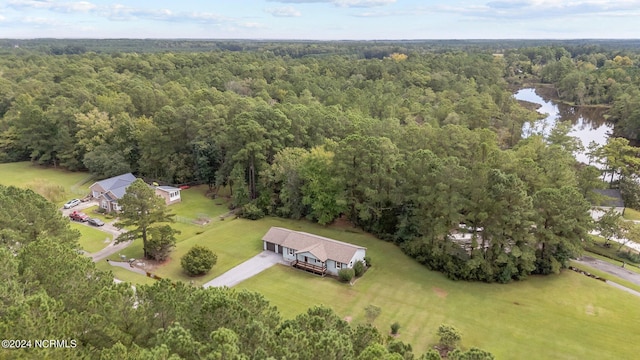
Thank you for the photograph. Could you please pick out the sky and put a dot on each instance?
(321, 19)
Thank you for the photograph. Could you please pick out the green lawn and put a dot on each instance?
(125, 275)
(631, 214)
(233, 241)
(91, 239)
(569, 316)
(57, 185)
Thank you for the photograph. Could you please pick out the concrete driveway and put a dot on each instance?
(247, 269)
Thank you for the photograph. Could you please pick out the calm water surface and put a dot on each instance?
(589, 123)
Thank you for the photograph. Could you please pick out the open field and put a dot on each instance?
(568, 316)
(54, 184)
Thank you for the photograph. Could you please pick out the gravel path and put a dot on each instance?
(247, 269)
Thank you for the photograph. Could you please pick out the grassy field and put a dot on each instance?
(569, 316)
(54, 184)
(631, 214)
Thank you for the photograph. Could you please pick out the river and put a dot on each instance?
(589, 123)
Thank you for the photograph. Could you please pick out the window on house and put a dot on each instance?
(104, 204)
(291, 251)
(338, 265)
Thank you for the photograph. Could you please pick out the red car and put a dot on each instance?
(79, 216)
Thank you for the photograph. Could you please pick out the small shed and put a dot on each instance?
(170, 194)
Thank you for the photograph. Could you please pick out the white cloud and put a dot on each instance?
(362, 3)
(41, 21)
(527, 9)
(67, 7)
(341, 3)
(283, 11)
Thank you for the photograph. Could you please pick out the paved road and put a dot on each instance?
(247, 269)
(611, 269)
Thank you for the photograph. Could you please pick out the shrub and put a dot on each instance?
(346, 275)
(358, 268)
(198, 260)
(395, 327)
(372, 312)
(367, 261)
(251, 212)
(450, 336)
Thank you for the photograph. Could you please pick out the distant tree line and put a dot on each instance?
(417, 148)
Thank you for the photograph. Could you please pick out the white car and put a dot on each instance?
(72, 203)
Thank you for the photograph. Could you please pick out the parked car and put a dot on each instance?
(79, 216)
(72, 203)
(95, 222)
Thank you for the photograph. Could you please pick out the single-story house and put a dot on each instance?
(109, 191)
(611, 199)
(312, 252)
(170, 194)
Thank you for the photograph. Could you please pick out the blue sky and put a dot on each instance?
(321, 19)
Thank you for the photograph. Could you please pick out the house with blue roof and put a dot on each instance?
(108, 191)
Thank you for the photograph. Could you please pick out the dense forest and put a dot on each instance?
(414, 145)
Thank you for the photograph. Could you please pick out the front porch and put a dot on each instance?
(320, 270)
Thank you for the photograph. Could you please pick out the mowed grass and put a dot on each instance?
(56, 185)
(631, 214)
(91, 239)
(568, 316)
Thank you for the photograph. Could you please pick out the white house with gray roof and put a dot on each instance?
(108, 191)
(311, 252)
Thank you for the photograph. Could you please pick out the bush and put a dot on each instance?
(358, 268)
(346, 275)
(372, 312)
(198, 260)
(450, 336)
(367, 261)
(395, 327)
(251, 212)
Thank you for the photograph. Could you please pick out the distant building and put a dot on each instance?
(108, 191)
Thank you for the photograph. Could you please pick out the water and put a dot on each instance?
(589, 123)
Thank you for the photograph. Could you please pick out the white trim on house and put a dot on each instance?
(313, 250)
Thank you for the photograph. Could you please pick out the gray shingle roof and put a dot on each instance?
(117, 185)
(321, 247)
